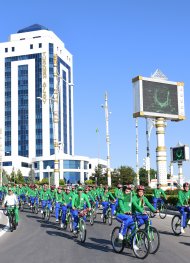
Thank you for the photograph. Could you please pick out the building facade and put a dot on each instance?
(27, 83)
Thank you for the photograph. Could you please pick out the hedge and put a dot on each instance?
(171, 199)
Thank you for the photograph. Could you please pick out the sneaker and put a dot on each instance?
(182, 230)
(61, 225)
(57, 220)
(102, 216)
(188, 223)
(42, 211)
(120, 236)
(135, 247)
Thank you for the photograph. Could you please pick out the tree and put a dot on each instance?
(123, 175)
(31, 176)
(5, 177)
(19, 177)
(99, 176)
(143, 176)
(13, 176)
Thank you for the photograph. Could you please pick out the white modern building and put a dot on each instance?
(27, 82)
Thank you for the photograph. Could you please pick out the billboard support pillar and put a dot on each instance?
(180, 173)
(161, 157)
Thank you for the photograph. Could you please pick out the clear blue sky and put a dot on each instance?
(112, 42)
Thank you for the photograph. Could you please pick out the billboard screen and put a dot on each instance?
(157, 98)
(160, 97)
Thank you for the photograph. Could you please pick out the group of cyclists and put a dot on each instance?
(126, 204)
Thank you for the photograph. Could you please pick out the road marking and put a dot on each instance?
(5, 229)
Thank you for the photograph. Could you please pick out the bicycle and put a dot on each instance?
(162, 207)
(68, 220)
(136, 239)
(21, 205)
(34, 207)
(81, 229)
(10, 212)
(153, 237)
(108, 215)
(176, 224)
(46, 213)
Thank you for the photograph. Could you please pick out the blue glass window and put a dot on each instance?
(31, 46)
(7, 163)
(85, 165)
(71, 164)
(6, 49)
(38, 92)
(72, 177)
(48, 163)
(23, 110)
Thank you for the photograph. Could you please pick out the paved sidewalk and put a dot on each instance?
(3, 223)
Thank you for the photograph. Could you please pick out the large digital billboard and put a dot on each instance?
(158, 98)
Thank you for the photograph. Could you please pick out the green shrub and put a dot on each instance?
(61, 182)
(89, 182)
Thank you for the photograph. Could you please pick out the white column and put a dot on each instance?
(161, 152)
(82, 172)
(180, 173)
(172, 175)
(41, 170)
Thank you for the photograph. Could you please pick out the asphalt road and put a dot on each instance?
(36, 241)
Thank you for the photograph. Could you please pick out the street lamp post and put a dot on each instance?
(1, 172)
(48, 169)
(105, 106)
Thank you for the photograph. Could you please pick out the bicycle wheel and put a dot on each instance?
(163, 211)
(70, 222)
(36, 209)
(104, 218)
(154, 239)
(140, 244)
(176, 225)
(33, 209)
(109, 218)
(91, 218)
(82, 231)
(47, 215)
(117, 244)
(11, 223)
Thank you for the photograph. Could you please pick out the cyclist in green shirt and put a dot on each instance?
(157, 196)
(78, 203)
(45, 197)
(138, 206)
(107, 199)
(183, 205)
(58, 202)
(124, 211)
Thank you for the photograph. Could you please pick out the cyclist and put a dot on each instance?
(157, 196)
(58, 202)
(78, 203)
(67, 199)
(183, 205)
(138, 207)
(106, 198)
(118, 194)
(45, 197)
(12, 200)
(124, 211)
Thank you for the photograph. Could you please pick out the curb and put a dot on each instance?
(4, 229)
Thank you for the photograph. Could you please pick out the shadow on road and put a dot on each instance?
(58, 234)
(166, 233)
(185, 243)
(103, 248)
